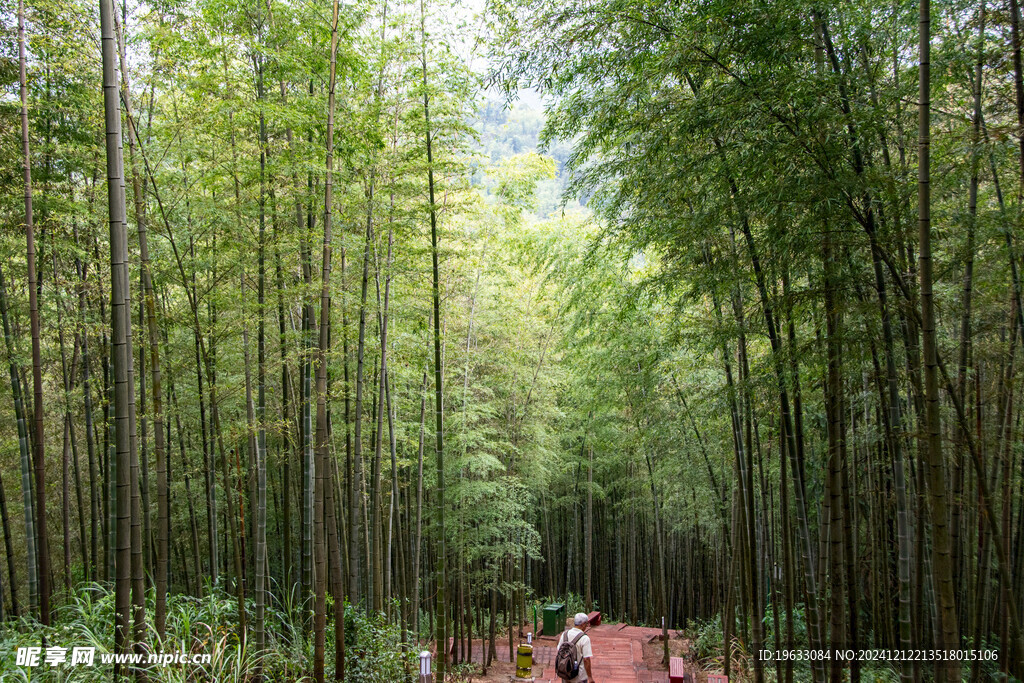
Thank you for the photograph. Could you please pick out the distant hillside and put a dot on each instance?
(505, 132)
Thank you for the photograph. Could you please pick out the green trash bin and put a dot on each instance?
(554, 618)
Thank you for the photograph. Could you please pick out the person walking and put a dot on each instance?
(574, 652)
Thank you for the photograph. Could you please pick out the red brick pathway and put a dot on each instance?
(618, 655)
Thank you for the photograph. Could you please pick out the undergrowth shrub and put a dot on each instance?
(375, 651)
(195, 625)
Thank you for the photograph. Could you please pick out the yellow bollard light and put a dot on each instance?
(524, 659)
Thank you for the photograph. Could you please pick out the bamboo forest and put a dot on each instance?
(389, 341)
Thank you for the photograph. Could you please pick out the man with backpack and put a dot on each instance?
(573, 652)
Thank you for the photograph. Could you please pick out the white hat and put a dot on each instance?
(580, 619)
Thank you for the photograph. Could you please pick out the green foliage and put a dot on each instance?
(195, 626)
(799, 627)
(517, 178)
(708, 639)
(632, 272)
(573, 604)
(375, 649)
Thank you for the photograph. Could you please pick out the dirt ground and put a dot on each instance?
(654, 651)
(677, 647)
(499, 672)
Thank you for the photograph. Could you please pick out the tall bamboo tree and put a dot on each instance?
(38, 446)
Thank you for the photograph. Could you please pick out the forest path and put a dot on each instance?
(618, 655)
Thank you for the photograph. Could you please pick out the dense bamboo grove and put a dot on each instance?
(308, 334)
